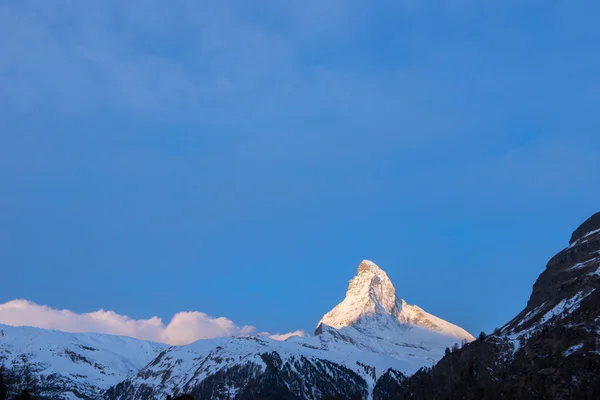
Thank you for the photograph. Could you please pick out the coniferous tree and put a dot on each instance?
(3, 388)
(25, 395)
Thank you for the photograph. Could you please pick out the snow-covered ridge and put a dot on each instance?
(371, 304)
(367, 334)
(564, 286)
(370, 292)
(88, 363)
(184, 368)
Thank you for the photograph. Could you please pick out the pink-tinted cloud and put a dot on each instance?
(184, 327)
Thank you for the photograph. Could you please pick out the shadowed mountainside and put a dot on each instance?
(548, 351)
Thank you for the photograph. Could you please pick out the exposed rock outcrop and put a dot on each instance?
(548, 351)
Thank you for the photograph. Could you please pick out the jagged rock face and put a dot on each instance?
(372, 307)
(590, 226)
(548, 351)
(571, 277)
(369, 293)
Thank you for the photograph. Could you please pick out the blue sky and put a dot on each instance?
(241, 158)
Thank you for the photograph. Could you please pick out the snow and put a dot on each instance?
(591, 233)
(92, 361)
(583, 264)
(583, 237)
(565, 306)
(371, 327)
(516, 345)
(573, 349)
(369, 292)
(371, 304)
(196, 361)
(531, 314)
(562, 308)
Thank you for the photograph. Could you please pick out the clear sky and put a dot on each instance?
(241, 158)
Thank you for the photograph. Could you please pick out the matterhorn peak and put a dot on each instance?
(371, 306)
(369, 292)
(369, 266)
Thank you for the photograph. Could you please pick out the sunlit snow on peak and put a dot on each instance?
(371, 306)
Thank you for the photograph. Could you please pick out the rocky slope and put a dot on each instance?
(548, 351)
(369, 333)
(372, 308)
(61, 365)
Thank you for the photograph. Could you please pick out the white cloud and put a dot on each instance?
(285, 336)
(184, 327)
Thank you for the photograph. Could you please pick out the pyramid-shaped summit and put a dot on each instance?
(372, 307)
(372, 336)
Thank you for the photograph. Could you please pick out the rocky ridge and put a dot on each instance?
(371, 333)
(550, 350)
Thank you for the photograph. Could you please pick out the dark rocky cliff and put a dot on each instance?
(548, 351)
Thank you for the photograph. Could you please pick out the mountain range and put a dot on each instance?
(371, 345)
(369, 333)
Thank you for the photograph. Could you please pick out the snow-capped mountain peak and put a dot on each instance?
(371, 291)
(371, 306)
(371, 333)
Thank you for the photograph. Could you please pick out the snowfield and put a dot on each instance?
(85, 362)
(368, 333)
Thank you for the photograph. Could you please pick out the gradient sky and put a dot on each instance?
(241, 158)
